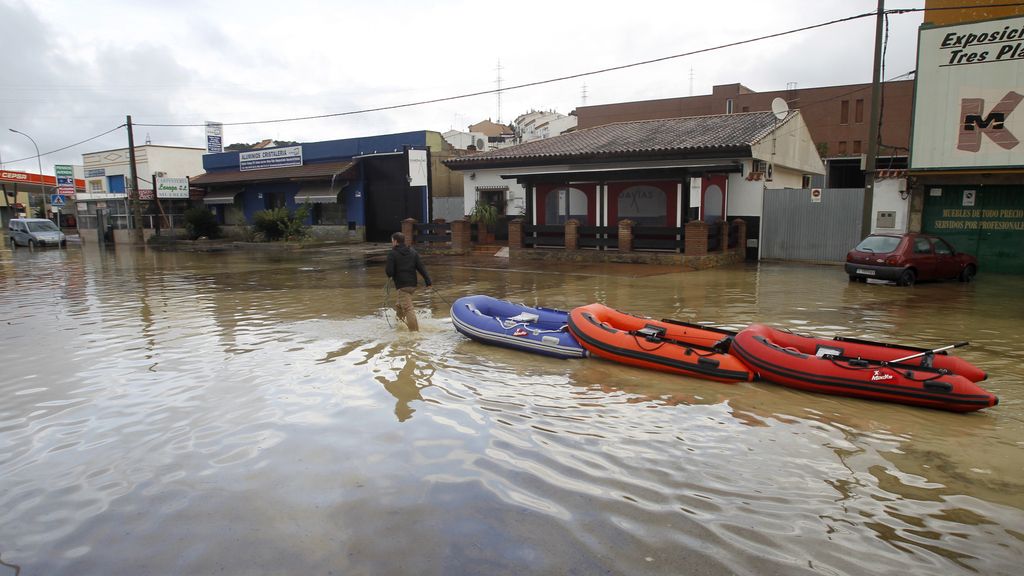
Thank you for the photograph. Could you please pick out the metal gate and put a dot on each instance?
(799, 225)
(987, 221)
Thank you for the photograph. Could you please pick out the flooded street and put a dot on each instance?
(257, 413)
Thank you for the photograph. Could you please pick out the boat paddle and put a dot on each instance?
(926, 352)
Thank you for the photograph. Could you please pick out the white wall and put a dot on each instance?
(463, 140)
(516, 195)
(889, 198)
(176, 162)
(746, 197)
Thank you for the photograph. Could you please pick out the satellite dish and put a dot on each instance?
(780, 108)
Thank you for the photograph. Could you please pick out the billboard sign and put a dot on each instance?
(417, 167)
(270, 158)
(65, 179)
(214, 137)
(968, 95)
(171, 187)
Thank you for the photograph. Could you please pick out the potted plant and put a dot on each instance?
(485, 216)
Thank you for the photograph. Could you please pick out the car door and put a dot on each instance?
(17, 235)
(946, 265)
(923, 258)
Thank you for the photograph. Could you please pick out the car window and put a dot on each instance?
(45, 226)
(922, 246)
(942, 248)
(878, 244)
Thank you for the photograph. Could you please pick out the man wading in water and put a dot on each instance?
(403, 263)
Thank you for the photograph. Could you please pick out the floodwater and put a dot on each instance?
(241, 413)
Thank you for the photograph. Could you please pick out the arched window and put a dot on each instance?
(714, 201)
(563, 204)
(644, 205)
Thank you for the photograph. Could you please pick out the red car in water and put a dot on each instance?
(907, 258)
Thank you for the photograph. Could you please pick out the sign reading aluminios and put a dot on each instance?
(171, 187)
(967, 106)
(270, 158)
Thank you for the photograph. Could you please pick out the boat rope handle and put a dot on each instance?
(636, 337)
(510, 324)
(908, 374)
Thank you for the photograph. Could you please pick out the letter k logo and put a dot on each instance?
(973, 124)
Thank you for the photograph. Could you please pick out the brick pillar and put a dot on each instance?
(462, 235)
(741, 235)
(696, 238)
(572, 236)
(724, 233)
(626, 235)
(409, 229)
(515, 234)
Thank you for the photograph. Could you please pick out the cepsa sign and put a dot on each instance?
(967, 111)
(19, 176)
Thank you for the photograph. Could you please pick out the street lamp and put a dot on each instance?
(39, 160)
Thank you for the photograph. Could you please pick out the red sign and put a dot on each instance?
(28, 178)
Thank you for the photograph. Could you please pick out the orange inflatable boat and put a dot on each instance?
(659, 345)
(862, 371)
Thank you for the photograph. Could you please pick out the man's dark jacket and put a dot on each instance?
(403, 263)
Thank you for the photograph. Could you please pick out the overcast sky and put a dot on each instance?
(72, 70)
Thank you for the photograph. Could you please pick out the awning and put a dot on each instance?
(319, 193)
(492, 188)
(221, 197)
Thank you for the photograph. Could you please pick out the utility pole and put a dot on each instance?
(876, 110)
(498, 70)
(136, 204)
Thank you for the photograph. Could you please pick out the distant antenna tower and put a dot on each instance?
(691, 80)
(584, 95)
(498, 70)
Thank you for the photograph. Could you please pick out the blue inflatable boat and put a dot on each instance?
(502, 323)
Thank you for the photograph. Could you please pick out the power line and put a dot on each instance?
(68, 146)
(499, 90)
(542, 82)
(537, 83)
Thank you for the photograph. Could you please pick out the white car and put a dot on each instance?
(34, 232)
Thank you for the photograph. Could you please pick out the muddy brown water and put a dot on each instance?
(178, 413)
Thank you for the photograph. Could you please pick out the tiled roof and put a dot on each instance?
(306, 171)
(671, 135)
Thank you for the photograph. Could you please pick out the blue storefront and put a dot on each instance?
(359, 189)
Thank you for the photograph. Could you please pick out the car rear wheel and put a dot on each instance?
(907, 278)
(967, 274)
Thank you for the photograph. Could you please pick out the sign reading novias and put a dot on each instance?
(967, 111)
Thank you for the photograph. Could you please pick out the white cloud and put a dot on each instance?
(77, 69)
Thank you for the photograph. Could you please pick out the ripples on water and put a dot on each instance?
(177, 413)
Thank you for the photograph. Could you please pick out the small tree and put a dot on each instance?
(485, 216)
(280, 224)
(201, 222)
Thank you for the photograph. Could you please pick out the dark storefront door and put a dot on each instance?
(987, 221)
(389, 198)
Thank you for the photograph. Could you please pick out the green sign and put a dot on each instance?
(65, 179)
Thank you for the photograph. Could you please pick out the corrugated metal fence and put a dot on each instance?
(795, 227)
